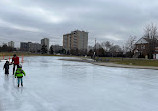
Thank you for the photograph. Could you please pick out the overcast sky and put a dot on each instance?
(113, 20)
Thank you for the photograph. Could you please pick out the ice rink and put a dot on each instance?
(56, 85)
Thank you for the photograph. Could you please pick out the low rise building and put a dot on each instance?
(57, 48)
(24, 46)
(34, 47)
(144, 46)
(30, 47)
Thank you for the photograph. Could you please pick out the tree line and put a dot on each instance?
(5, 48)
(107, 48)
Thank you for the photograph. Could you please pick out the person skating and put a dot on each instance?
(15, 62)
(19, 74)
(6, 67)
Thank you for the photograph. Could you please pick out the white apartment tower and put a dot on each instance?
(45, 42)
(11, 44)
(75, 40)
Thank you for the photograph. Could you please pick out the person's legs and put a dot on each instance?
(21, 82)
(6, 71)
(13, 69)
(18, 81)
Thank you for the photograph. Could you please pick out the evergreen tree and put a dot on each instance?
(44, 49)
(51, 50)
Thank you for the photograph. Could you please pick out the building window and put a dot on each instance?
(142, 46)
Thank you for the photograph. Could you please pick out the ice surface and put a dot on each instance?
(55, 85)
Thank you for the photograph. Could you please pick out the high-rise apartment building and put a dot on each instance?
(45, 42)
(67, 42)
(11, 44)
(75, 40)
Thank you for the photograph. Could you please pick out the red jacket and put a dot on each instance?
(16, 60)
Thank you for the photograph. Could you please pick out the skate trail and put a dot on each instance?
(55, 85)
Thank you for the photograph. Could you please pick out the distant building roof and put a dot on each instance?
(144, 40)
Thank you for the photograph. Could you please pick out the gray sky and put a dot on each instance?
(113, 20)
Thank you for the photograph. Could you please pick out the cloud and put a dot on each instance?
(44, 15)
(18, 27)
(103, 19)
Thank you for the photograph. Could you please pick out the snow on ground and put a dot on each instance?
(55, 85)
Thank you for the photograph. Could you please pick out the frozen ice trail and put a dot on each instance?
(55, 85)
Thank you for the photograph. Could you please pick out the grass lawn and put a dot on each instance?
(129, 61)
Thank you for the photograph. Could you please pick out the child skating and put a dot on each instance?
(19, 74)
(6, 67)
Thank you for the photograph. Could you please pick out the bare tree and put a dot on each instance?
(150, 31)
(115, 50)
(151, 35)
(130, 44)
(106, 45)
(97, 46)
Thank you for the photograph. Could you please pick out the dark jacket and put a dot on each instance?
(6, 66)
